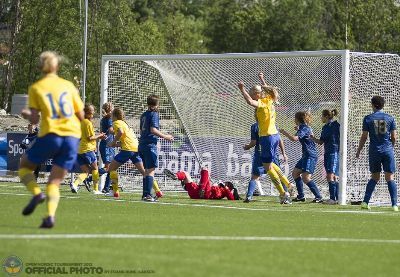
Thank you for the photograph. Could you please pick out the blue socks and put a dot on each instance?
(107, 183)
(299, 186)
(251, 188)
(393, 192)
(147, 185)
(314, 189)
(332, 190)
(369, 190)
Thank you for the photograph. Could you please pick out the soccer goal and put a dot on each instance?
(204, 110)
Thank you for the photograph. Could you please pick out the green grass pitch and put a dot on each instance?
(183, 237)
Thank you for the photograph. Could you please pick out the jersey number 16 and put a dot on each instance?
(64, 106)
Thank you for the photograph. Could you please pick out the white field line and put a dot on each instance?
(283, 209)
(182, 237)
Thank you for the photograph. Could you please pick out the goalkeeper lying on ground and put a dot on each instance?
(204, 189)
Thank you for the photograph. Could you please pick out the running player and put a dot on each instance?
(126, 139)
(86, 155)
(58, 104)
(381, 128)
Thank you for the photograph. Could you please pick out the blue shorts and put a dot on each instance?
(87, 158)
(269, 145)
(63, 150)
(331, 163)
(107, 153)
(123, 156)
(307, 164)
(257, 167)
(149, 155)
(276, 160)
(385, 160)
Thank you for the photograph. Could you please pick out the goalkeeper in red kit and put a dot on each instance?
(204, 189)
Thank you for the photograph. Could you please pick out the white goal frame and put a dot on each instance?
(344, 97)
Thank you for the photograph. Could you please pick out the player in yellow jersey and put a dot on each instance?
(263, 98)
(86, 153)
(56, 101)
(126, 139)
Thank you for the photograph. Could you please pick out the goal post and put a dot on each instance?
(204, 110)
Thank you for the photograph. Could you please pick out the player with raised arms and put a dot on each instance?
(381, 128)
(330, 138)
(86, 154)
(305, 167)
(268, 133)
(58, 104)
(149, 134)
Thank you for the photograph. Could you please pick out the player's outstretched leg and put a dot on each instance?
(28, 178)
(170, 174)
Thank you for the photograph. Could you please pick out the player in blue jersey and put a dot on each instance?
(381, 128)
(107, 153)
(149, 134)
(330, 138)
(257, 166)
(306, 165)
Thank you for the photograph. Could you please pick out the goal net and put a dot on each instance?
(203, 109)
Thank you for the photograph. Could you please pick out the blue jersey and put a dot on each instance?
(254, 136)
(379, 125)
(147, 120)
(105, 124)
(330, 135)
(307, 144)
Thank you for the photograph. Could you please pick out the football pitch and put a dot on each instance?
(182, 237)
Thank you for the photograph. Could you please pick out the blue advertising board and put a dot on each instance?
(15, 151)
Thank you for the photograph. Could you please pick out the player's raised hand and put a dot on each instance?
(241, 85)
(261, 76)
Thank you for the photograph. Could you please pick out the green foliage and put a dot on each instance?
(191, 26)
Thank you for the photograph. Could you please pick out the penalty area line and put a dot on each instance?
(183, 237)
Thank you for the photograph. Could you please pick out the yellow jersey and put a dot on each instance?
(85, 144)
(266, 117)
(128, 140)
(57, 100)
